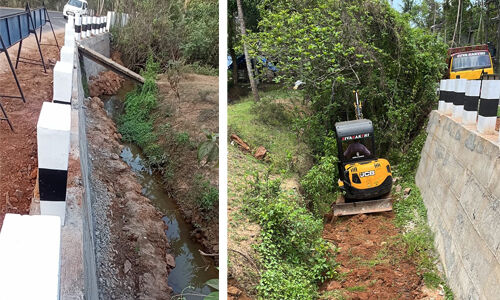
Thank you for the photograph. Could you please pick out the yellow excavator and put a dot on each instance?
(364, 179)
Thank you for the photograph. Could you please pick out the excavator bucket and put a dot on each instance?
(361, 207)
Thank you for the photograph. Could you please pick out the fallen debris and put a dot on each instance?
(260, 153)
(244, 146)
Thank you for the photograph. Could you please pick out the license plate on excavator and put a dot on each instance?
(361, 207)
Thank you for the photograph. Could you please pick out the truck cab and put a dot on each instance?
(470, 62)
(74, 7)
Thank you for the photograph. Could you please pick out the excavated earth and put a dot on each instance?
(373, 263)
(131, 245)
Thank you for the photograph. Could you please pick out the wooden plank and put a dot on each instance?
(110, 64)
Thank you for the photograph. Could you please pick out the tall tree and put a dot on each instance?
(243, 29)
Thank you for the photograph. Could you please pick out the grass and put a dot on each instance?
(498, 112)
(284, 152)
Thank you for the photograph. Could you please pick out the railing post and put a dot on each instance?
(458, 100)
(471, 102)
(63, 82)
(488, 106)
(53, 138)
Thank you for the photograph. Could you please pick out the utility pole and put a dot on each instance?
(243, 29)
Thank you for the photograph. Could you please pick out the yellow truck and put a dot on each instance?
(469, 62)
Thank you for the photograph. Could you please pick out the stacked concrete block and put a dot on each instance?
(30, 252)
(53, 138)
(448, 101)
(89, 26)
(67, 54)
(488, 106)
(63, 82)
(471, 102)
(108, 20)
(78, 27)
(458, 100)
(69, 35)
(443, 93)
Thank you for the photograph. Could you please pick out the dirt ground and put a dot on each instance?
(131, 245)
(18, 150)
(372, 265)
(196, 112)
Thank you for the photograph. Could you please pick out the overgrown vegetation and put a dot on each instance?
(136, 124)
(336, 47)
(172, 31)
(295, 258)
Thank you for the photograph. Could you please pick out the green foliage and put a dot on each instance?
(294, 255)
(346, 45)
(209, 149)
(321, 181)
(207, 197)
(136, 124)
(174, 30)
(202, 32)
(213, 283)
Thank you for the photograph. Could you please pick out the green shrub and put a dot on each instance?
(320, 183)
(207, 197)
(136, 124)
(294, 255)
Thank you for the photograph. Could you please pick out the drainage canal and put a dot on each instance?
(191, 270)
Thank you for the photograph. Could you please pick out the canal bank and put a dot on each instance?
(191, 269)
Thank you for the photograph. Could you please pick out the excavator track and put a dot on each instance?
(342, 208)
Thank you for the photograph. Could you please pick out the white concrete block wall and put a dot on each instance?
(442, 94)
(471, 102)
(458, 100)
(30, 251)
(488, 106)
(78, 27)
(448, 105)
(108, 21)
(53, 139)
(63, 81)
(69, 34)
(94, 25)
(89, 26)
(67, 54)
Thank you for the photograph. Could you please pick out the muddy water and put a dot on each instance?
(192, 270)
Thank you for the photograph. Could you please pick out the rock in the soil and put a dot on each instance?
(127, 266)
(240, 142)
(232, 290)
(170, 261)
(407, 191)
(398, 189)
(34, 173)
(363, 217)
(260, 153)
(333, 285)
(368, 243)
(18, 194)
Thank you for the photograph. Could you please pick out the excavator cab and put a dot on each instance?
(364, 179)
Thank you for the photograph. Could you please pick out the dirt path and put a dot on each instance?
(373, 264)
(18, 150)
